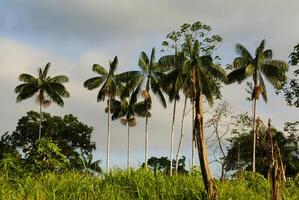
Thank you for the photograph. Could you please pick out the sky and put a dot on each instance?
(74, 34)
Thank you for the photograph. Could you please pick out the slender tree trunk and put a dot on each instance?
(172, 137)
(40, 121)
(193, 138)
(146, 141)
(254, 134)
(129, 148)
(201, 147)
(108, 136)
(181, 137)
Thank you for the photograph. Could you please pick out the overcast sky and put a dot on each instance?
(75, 34)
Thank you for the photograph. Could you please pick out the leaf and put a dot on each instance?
(59, 79)
(94, 82)
(27, 78)
(249, 70)
(45, 71)
(99, 69)
(143, 62)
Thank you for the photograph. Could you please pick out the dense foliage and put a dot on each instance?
(65, 140)
(240, 148)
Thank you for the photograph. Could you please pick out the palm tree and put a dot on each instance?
(90, 165)
(48, 89)
(126, 112)
(150, 76)
(110, 85)
(261, 65)
(204, 77)
(175, 81)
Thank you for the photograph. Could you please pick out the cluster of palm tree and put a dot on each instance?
(185, 72)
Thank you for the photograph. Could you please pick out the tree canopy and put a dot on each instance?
(71, 137)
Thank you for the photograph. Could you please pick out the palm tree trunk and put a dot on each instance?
(146, 141)
(193, 138)
(40, 121)
(181, 137)
(129, 147)
(172, 137)
(108, 136)
(201, 147)
(254, 134)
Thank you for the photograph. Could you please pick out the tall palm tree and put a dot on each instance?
(110, 86)
(245, 65)
(48, 89)
(126, 112)
(149, 80)
(204, 77)
(173, 83)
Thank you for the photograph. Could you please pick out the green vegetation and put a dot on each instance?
(135, 184)
(50, 157)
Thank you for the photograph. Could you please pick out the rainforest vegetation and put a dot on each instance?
(51, 157)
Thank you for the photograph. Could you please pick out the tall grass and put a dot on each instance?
(135, 184)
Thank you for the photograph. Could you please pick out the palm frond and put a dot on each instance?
(19, 88)
(275, 75)
(55, 97)
(216, 71)
(205, 86)
(157, 91)
(281, 65)
(45, 71)
(99, 69)
(167, 61)
(59, 79)
(113, 65)
(152, 60)
(59, 89)
(27, 78)
(142, 108)
(268, 54)
(136, 91)
(241, 50)
(239, 62)
(237, 75)
(264, 90)
(94, 82)
(143, 62)
(26, 92)
(102, 93)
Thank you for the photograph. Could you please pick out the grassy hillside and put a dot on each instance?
(137, 184)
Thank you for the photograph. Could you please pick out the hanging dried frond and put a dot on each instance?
(257, 91)
(145, 94)
(40, 98)
(132, 122)
(46, 103)
(123, 122)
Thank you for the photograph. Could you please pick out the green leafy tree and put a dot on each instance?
(162, 164)
(110, 86)
(72, 137)
(245, 65)
(291, 88)
(47, 156)
(240, 147)
(49, 89)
